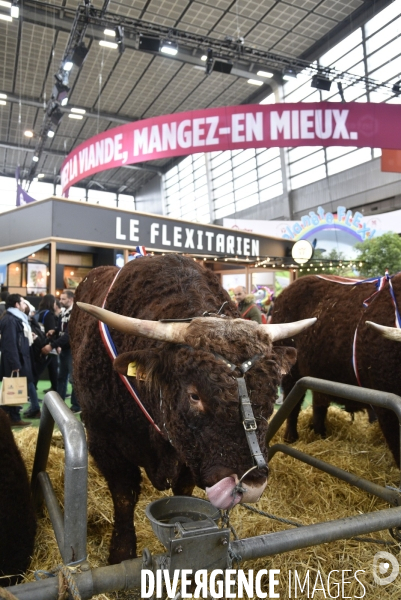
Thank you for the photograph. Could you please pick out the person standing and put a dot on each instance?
(47, 319)
(246, 305)
(62, 344)
(16, 339)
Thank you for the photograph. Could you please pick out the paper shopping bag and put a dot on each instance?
(13, 390)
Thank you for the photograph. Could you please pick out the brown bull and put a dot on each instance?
(326, 350)
(17, 517)
(186, 378)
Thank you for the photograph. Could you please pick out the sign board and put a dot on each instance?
(302, 251)
(235, 127)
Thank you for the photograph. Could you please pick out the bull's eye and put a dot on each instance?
(194, 398)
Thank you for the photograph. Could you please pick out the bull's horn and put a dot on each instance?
(392, 333)
(282, 331)
(165, 332)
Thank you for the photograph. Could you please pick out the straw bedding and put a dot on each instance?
(295, 491)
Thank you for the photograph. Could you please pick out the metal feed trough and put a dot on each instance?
(187, 527)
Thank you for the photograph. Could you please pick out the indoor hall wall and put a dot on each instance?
(362, 185)
(149, 198)
(354, 188)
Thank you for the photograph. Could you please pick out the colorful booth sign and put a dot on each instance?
(235, 127)
(343, 219)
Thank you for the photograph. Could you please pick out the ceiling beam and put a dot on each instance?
(26, 101)
(246, 60)
(356, 19)
(62, 19)
(61, 154)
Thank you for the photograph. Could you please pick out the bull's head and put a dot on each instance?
(199, 401)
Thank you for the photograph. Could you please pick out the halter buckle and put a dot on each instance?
(249, 425)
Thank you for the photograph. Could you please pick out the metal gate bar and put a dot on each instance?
(70, 529)
(312, 535)
(391, 496)
(342, 390)
(125, 576)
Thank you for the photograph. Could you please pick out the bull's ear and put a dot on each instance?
(286, 357)
(140, 362)
(122, 362)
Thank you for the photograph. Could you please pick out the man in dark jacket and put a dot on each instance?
(62, 344)
(16, 338)
(246, 305)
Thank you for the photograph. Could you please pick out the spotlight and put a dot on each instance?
(50, 133)
(14, 10)
(79, 55)
(396, 89)
(222, 67)
(55, 116)
(28, 133)
(168, 47)
(209, 62)
(120, 38)
(264, 74)
(149, 44)
(107, 44)
(35, 158)
(67, 66)
(60, 93)
(321, 82)
(289, 73)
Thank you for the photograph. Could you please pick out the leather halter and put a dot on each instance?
(248, 419)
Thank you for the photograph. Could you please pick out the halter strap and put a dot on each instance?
(248, 419)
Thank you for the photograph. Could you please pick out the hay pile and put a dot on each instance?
(295, 491)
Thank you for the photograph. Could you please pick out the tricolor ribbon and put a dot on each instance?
(112, 352)
(139, 251)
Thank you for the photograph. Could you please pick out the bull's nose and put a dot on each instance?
(252, 492)
(254, 476)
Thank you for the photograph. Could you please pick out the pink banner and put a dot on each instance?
(236, 127)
